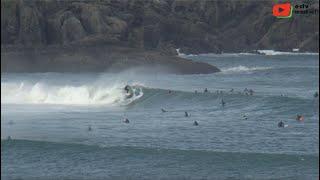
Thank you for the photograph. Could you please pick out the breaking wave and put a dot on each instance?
(240, 68)
(261, 52)
(274, 53)
(40, 93)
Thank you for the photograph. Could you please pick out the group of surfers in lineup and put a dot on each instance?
(130, 93)
(246, 91)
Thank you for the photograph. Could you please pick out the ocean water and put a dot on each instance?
(47, 116)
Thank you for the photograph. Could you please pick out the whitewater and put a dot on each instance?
(47, 116)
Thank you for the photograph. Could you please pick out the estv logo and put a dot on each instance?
(282, 10)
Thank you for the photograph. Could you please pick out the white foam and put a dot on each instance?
(263, 52)
(39, 93)
(273, 53)
(240, 68)
(179, 53)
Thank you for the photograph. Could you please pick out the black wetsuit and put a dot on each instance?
(129, 91)
(281, 124)
(251, 92)
(126, 88)
(223, 103)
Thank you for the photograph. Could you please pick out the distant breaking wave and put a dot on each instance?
(274, 53)
(243, 69)
(259, 52)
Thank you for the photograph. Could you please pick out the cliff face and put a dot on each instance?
(192, 25)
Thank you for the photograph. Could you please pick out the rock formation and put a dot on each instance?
(156, 25)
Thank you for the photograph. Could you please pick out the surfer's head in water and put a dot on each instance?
(316, 94)
(186, 114)
(205, 90)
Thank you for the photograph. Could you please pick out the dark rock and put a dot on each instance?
(30, 26)
(72, 30)
(194, 26)
(157, 25)
(98, 59)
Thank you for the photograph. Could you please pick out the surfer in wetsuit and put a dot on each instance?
(245, 117)
(205, 90)
(246, 91)
(299, 118)
(186, 114)
(163, 110)
(251, 92)
(316, 94)
(281, 124)
(127, 88)
(223, 103)
(89, 128)
(129, 91)
(195, 123)
(126, 121)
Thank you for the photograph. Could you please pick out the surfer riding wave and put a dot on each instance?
(129, 91)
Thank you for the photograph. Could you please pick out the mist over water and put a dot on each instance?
(49, 115)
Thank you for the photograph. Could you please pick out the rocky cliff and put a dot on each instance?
(156, 25)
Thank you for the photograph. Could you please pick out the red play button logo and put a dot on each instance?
(282, 10)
